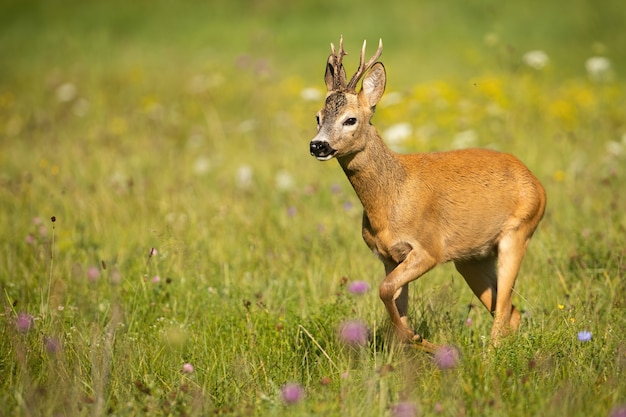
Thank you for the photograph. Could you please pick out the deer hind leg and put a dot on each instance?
(511, 250)
(394, 289)
(482, 278)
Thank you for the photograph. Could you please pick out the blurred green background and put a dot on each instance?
(185, 125)
(423, 39)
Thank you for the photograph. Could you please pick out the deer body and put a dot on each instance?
(475, 207)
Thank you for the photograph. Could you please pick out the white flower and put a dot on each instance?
(465, 139)
(66, 92)
(536, 59)
(598, 68)
(247, 126)
(284, 181)
(614, 148)
(201, 165)
(244, 176)
(391, 98)
(398, 133)
(311, 94)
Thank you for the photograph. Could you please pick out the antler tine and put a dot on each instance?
(335, 58)
(364, 67)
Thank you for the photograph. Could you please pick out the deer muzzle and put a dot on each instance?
(322, 150)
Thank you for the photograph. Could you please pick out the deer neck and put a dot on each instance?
(375, 173)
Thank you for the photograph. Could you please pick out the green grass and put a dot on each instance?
(181, 127)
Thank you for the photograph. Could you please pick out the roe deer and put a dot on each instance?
(475, 207)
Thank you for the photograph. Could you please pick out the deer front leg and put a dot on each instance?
(394, 292)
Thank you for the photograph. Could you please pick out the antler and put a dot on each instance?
(363, 68)
(337, 79)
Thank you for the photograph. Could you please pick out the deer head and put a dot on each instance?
(343, 121)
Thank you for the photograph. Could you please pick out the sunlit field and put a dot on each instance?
(168, 246)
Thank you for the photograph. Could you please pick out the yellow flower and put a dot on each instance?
(560, 306)
(564, 110)
(559, 176)
(118, 126)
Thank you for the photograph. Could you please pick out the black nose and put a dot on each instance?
(321, 149)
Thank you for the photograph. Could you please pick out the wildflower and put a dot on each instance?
(536, 59)
(244, 176)
(116, 276)
(187, 368)
(560, 306)
(353, 333)
(66, 92)
(52, 345)
(398, 133)
(468, 322)
(93, 273)
(292, 393)
(358, 287)
(153, 252)
(598, 68)
(30, 239)
(347, 206)
(292, 211)
(584, 336)
(156, 279)
(465, 139)
(311, 94)
(24, 322)
(404, 409)
(284, 181)
(620, 411)
(201, 165)
(615, 148)
(446, 357)
(559, 175)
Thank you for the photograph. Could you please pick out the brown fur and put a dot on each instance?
(475, 207)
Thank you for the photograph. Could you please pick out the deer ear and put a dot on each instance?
(328, 76)
(374, 84)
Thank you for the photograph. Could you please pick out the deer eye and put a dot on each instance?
(350, 121)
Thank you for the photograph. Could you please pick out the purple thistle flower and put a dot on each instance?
(93, 273)
(404, 409)
(52, 345)
(446, 357)
(584, 336)
(187, 368)
(358, 287)
(292, 393)
(24, 322)
(620, 411)
(353, 333)
(156, 279)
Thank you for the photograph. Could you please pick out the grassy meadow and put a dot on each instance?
(168, 247)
